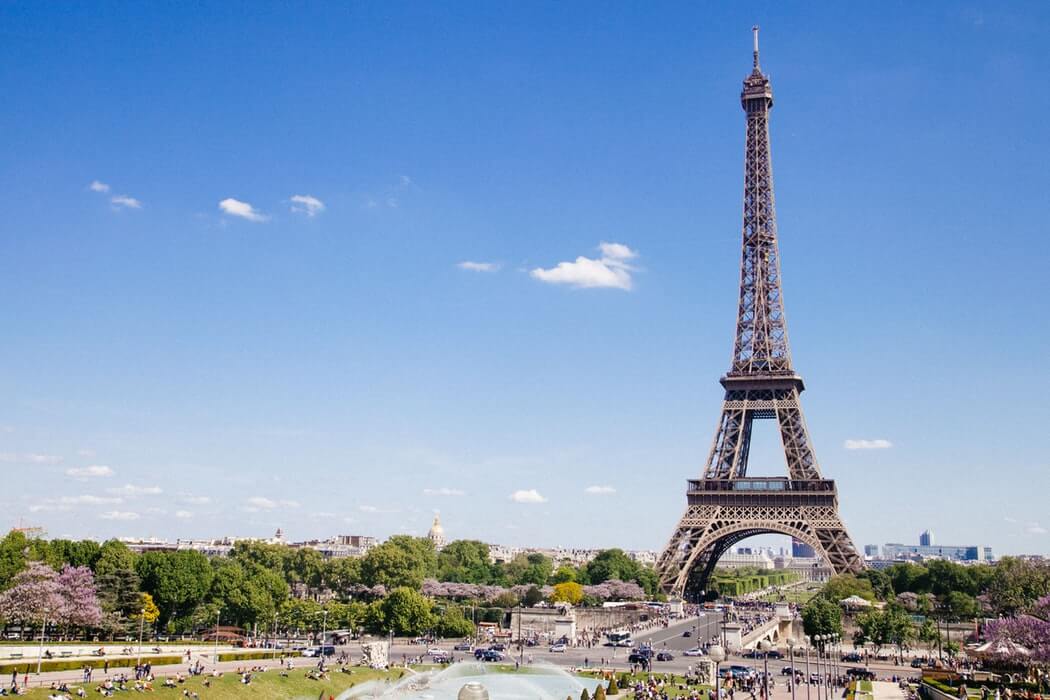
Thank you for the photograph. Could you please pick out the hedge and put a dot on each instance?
(254, 655)
(29, 665)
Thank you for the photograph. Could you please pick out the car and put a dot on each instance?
(478, 653)
(695, 651)
(786, 671)
(498, 647)
(687, 633)
(917, 663)
(491, 655)
(815, 679)
(857, 672)
(852, 657)
(752, 654)
(558, 648)
(741, 671)
(463, 646)
(665, 656)
(775, 654)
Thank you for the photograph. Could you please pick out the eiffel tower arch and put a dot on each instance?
(726, 505)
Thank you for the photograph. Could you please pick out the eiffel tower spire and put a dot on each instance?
(726, 505)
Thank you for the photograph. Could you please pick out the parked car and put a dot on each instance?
(665, 656)
(559, 648)
(695, 651)
(491, 655)
(498, 647)
(463, 646)
(852, 657)
(775, 654)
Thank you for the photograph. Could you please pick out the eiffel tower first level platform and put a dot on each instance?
(727, 505)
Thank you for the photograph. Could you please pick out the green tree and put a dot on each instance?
(178, 581)
(114, 556)
(907, 577)
(465, 561)
(407, 612)
(599, 692)
(1016, 584)
(610, 564)
(881, 583)
(453, 623)
(400, 561)
(613, 688)
(845, 585)
(342, 574)
(13, 550)
(821, 616)
(960, 606)
(532, 568)
(75, 552)
(564, 574)
(534, 595)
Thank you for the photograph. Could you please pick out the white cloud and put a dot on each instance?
(97, 186)
(133, 490)
(119, 515)
(194, 500)
(235, 207)
(44, 507)
(375, 509)
(307, 204)
(89, 499)
(90, 472)
(610, 270)
(405, 180)
(599, 490)
(1035, 529)
(478, 266)
(183, 514)
(257, 503)
(868, 444)
(123, 200)
(444, 491)
(527, 496)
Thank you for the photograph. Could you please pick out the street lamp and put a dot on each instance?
(215, 653)
(274, 641)
(717, 653)
(794, 671)
(764, 646)
(142, 618)
(40, 652)
(818, 640)
(324, 628)
(808, 677)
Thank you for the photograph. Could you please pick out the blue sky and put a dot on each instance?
(225, 359)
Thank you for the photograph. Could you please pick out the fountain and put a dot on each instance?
(474, 681)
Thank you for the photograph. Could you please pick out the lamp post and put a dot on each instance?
(717, 653)
(215, 653)
(274, 642)
(818, 640)
(142, 618)
(794, 671)
(764, 646)
(324, 629)
(40, 652)
(808, 678)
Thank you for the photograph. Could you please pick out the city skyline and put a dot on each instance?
(335, 287)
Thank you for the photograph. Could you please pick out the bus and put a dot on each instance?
(618, 638)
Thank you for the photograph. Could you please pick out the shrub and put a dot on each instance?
(29, 666)
(599, 692)
(613, 688)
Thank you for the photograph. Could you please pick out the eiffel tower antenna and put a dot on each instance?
(726, 505)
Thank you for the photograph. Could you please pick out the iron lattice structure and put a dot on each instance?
(727, 506)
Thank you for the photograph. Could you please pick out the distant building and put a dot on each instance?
(973, 552)
(437, 533)
(745, 558)
(926, 538)
(801, 549)
(808, 568)
(871, 551)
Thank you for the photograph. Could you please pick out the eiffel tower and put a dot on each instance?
(727, 505)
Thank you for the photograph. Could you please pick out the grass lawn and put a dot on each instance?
(269, 684)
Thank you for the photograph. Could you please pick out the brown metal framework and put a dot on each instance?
(727, 506)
